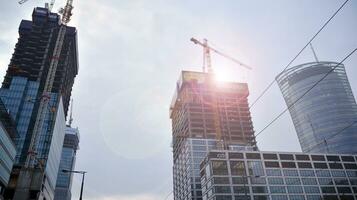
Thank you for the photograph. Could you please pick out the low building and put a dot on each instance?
(7, 147)
(246, 175)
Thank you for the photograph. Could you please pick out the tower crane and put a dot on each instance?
(45, 97)
(207, 56)
(207, 67)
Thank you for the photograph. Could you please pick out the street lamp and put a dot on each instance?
(77, 172)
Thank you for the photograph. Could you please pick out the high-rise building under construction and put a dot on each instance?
(206, 115)
(22, 92)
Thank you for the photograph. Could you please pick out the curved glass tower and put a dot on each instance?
(322, 117)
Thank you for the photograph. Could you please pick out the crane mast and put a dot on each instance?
(45, 97)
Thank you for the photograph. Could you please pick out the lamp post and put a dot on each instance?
(77, 172)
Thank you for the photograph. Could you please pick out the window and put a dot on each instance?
(273, 172)
(261, 197)
(335, 165)
(239, 180)
(313, 197)
(292, 181)
(307, 173)
(304, 165)
(277, 189)
(352, 173)
(309, 181)
(259, 189)
(325, 181)
(328, 190)
(353, 181)
(295, 189)
(350, 166)
(222, 189)
(289, 172)
(344, 190)
(286, 157)
(320, 165)
(223, 197)
(236, 155)
(219, 167)
(279, 197)
(348, 158)
(338, 173)
(302, 157)
(242, 197)
(311, 189)
(333, 158)
(323, 173)
(253, 155)
(270, 156)
(270, 164)
(257, 180)
(317, 157)
(221, 180)
(276, 181)
(241, 189)
(341, 181)
(288, 165)
(297, 197)
(237, 168)
(255, 168)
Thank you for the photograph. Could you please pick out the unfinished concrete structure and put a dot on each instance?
(206, 114)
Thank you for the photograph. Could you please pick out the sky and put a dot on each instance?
(131, 53)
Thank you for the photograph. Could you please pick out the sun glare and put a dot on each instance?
(224, 75)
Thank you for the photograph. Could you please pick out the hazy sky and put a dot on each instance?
(130, 56)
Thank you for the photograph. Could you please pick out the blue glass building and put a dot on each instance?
(21, 91)
(323, 118)
(7, 147)
(68, 160)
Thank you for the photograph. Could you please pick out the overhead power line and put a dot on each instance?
(292, 104)
(297, 55)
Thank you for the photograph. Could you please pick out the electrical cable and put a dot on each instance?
(314, 85)
(334, 135)
(307, 44)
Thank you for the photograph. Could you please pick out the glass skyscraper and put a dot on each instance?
(68, 160)
(324, 117)
(196, 124)
(22, 91)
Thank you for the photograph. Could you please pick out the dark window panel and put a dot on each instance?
(286, 157)
(270, 156)
(302, 157)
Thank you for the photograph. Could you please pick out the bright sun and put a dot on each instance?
(224, 75)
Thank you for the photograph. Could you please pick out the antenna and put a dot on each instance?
(313, 51)
(70, 114)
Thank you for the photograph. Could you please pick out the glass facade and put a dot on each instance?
(7, 157)
(262, 178)
(187, 181)
(68, 159)
(322, 114)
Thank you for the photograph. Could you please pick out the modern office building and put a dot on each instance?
(248, 175)
(7, 147)
(325, 118)
(68, 160)
(22, 91)
(201, 109)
